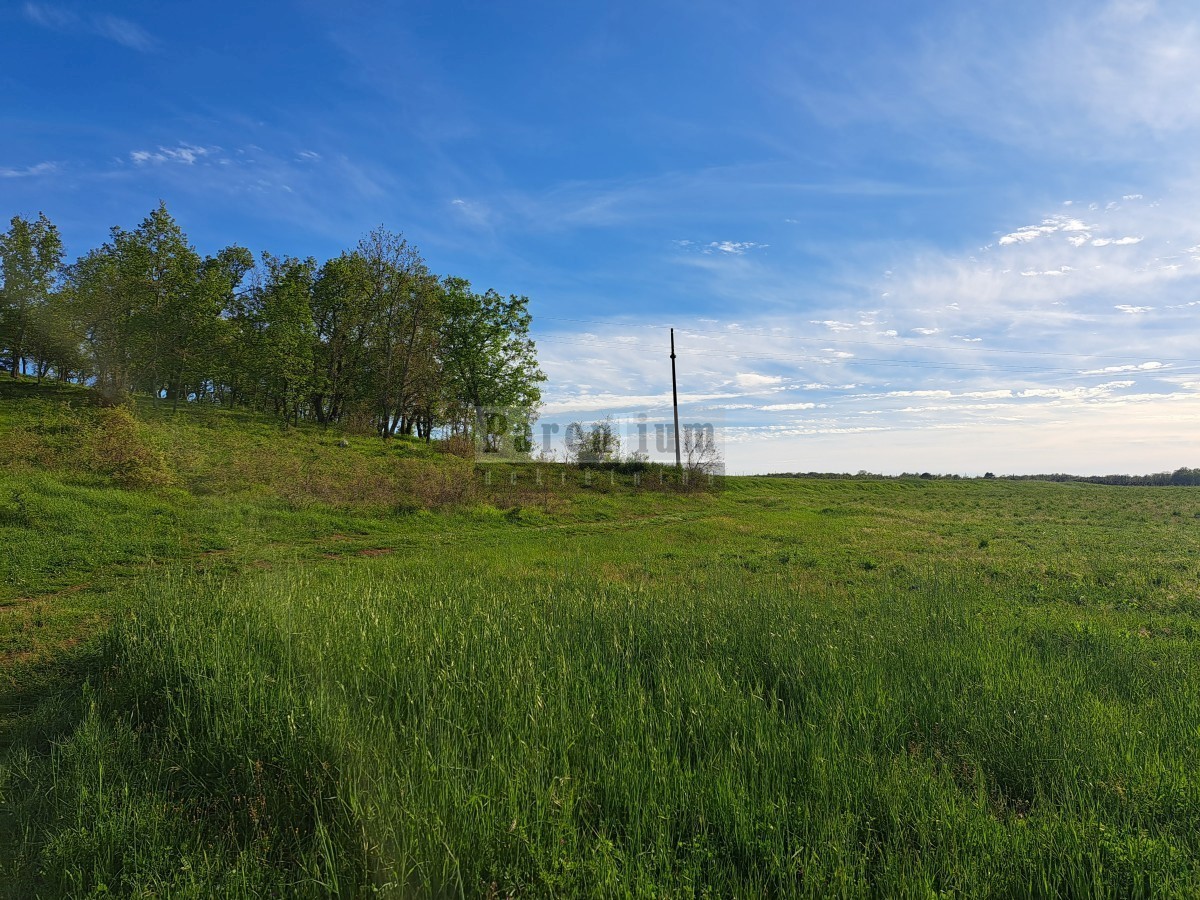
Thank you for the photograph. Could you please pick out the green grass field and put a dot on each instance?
(218, 681)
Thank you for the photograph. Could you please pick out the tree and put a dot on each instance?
(233, 332)
(177, 307)
(30, 259)
(285, 348)
(151, 308)
(341, 307)
(701, 454)
(598, 443)
(105, 311)
(488, 359)
(55, 338)
(402, 307)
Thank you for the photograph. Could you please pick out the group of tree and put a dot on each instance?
(599, 445)
(370, 338)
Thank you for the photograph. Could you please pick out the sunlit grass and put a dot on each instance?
(620, 717)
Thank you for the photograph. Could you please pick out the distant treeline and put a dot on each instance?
(370, 338)
(1181, 476)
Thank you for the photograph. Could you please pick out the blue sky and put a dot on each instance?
(955, 237)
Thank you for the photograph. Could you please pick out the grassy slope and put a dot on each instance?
(786, 687)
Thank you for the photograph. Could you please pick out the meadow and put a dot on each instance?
(220, 682)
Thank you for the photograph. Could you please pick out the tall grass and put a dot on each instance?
(416, 726)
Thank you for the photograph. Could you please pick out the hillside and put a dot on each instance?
(247, 661)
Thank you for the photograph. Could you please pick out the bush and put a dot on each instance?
(117, 445)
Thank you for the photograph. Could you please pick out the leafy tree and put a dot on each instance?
(177, 307)
(595, 444)
(488, 358)
(30, 259)
(285, 346)
(403, 309)
(229, 357)
(55, 339)
(151, 309)
(342, 295)
(105, 312)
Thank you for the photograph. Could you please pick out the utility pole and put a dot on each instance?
(675, 403)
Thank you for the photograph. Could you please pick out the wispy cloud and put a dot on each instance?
(113, 28)
(737, 248)
(1069, 79)
(1138, 367)
(1116, 242)
(1029, 233)
(755, 380)
(42, 168)
(183, 153)
(472, 212)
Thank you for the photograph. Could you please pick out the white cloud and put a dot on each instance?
(42, 168)
(787, 407)
(1118, 242)
(1133, 310)
(612, 402)
(1053, 224)
(754, 380)
(927, 331)
(736, 248)
(1000, 393)
(833, 324)
(1139, 367)
(185, 154)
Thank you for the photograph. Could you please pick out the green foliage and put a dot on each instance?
(30, 256)
(489, 358)
(284, 358)
(371, 339)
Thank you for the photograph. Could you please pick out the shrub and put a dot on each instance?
(117, 445)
